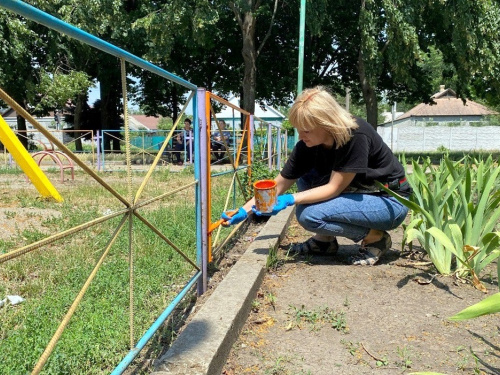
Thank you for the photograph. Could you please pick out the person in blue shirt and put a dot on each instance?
(335, 164)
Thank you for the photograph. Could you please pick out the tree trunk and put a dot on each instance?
(77, 124)
(175, 103)
(110, 89)
(21, 130)
(249, 57)
(369, 94)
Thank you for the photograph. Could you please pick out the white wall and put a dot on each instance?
(420, 138)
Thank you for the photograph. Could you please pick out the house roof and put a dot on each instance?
(447, 104)
(149, 122)
(9, 112)
(262, 111)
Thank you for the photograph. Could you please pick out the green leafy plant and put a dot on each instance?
(454, 214)
(489, 305)
(404, 354)
(272, 258)
(317, 317)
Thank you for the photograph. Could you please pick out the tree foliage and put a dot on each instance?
(375, 48)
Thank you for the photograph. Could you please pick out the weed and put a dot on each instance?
(256, 305)
(317, 317)
(382, 362)
(404, 355)
(10, 214)
(278, 368)
(463, 359)
(351, 347)
(338, 321)
(32, 235)
(346, 302)
(272, 259)
(271, 298)
(477, 362)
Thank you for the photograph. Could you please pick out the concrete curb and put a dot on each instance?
(203, 346)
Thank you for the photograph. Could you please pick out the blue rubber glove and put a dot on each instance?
(238, 217)
(282, 202)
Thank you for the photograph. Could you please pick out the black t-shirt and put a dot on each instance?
(365, 154)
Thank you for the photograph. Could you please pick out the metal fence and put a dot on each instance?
(129, 208)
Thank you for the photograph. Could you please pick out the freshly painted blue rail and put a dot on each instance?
(54, 23)
(122, 366)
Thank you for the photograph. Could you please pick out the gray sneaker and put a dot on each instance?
(370, 254)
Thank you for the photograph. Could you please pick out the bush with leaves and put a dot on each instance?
(455, 214)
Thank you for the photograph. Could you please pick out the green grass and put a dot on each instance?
(49, 278)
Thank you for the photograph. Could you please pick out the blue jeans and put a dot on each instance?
(349, 215)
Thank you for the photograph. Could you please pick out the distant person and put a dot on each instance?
(182, 142)
(335, 164)
(217, 144)
(57, 119)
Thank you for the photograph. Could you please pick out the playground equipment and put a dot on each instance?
(60, 158)
(26, 162)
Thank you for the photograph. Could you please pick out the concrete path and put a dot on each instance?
(203, 346)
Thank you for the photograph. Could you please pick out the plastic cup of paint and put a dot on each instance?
(265, 195)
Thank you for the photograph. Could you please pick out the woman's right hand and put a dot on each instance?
(237, 218)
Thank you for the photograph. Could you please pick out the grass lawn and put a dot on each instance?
(50, 277)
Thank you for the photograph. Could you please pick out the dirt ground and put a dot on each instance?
(320, 316)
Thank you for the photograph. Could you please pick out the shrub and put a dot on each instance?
(454, 214)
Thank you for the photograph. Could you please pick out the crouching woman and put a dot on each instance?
(335, 165)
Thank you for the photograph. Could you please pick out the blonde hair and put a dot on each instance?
(315, 108)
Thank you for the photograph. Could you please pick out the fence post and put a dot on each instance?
(286, 145)
(278, 149)
(269, 147)
(201, 174)
(251, 135)
(98, 144)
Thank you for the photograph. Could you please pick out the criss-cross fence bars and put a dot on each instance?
(131, 203)
(38, 142)
(145, 145)
(242, 144)
(270, 143)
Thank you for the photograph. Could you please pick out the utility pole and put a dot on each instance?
(301, 54)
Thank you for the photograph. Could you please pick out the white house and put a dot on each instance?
(446, 108)
(447, 123)
(263, 113)
(49, 122)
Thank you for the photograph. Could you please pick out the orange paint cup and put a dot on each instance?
(265, 195)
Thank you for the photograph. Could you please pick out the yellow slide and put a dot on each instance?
(26, 162)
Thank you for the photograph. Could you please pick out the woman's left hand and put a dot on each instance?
(282, 202)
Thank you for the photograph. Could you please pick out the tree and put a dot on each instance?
(31, 72)
(205, 39)
(246, 13)
(468, 35)
(110, 21)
